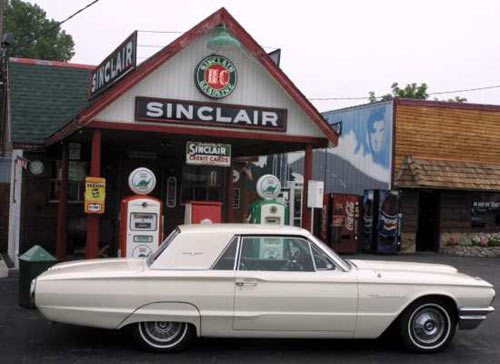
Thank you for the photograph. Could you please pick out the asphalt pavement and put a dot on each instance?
(26, 337)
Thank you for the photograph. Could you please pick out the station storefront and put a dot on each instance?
(197, 114)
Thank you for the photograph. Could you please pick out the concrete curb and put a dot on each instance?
(4, 270)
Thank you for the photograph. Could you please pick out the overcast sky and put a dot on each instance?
(329, 48)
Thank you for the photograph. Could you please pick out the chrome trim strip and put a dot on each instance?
(470, 317)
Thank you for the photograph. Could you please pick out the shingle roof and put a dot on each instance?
(44, 97)
(440, 173)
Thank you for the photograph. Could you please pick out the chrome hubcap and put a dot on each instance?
(163, 331)
(428, 325)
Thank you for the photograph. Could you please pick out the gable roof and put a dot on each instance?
(221, 16)
(443, 173)
(44, 96)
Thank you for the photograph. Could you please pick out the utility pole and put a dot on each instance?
(3, 82)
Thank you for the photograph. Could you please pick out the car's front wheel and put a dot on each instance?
(164, 336)
(427, 325)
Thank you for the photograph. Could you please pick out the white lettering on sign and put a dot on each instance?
(210, 114)
(202, 113)
(269, 117)
(114, 66)
(242, 116)
(155, 109)
(220, 118)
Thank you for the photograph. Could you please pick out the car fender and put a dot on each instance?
(165, 311)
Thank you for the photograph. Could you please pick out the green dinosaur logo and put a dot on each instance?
(270, 189)
(143, 183)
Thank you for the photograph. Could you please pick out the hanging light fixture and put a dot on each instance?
(223, 40)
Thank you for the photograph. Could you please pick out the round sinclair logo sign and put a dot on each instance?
(215, 76)
(142, 181)
(268, 187)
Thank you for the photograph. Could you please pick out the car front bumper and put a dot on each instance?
(470, 317)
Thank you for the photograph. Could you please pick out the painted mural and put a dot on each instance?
(362, 160)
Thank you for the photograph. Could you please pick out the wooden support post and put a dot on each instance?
(229, 195)
(93, 220)
(62, 215)
(306, 211)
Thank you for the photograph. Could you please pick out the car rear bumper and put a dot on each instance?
(470, 317)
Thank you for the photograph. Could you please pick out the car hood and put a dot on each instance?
(382, 265)
(94, 267)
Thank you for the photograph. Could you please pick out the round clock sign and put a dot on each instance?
(215, 76)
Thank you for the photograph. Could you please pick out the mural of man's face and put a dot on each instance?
(377, 135)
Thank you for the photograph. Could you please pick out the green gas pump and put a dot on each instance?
(269, 210)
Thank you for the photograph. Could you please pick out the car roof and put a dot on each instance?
(243, 229)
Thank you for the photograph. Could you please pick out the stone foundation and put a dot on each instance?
(471, 251)
(408, 243)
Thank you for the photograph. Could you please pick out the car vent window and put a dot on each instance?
(321, 260)
(226, 260)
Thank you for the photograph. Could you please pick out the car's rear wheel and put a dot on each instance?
(428, 325)
(164, 336)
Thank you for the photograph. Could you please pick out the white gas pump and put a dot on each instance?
(141, 218)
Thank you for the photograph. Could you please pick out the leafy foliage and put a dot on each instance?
(410, 91)
(28, 21)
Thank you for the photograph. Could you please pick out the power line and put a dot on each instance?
(57, 25)
(379, 97)
(160, 31)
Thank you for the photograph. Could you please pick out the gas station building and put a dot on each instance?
(194, 114)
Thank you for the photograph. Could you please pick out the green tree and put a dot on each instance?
(410, 91)
(26, 22)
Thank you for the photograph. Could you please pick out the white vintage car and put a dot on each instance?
(235, 280)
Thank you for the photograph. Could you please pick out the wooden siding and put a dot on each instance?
(409, 209)
(455, 211)
(446, 133)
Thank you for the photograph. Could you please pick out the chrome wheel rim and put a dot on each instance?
(163, 334)
(429, 326)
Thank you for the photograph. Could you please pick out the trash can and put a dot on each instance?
(31, 264)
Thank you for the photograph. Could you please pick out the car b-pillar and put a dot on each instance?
(93, 219)
(306, 211)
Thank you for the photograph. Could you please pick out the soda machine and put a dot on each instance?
(381, 221)
(343, 229)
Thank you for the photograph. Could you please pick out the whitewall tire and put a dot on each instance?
(164, 336)
(427, 325)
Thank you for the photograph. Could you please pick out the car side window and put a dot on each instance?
(321, 260)
(226, 260)
(275, 253)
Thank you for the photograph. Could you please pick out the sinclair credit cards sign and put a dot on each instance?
(208, 154)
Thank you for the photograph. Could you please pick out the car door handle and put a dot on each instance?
(241, 283)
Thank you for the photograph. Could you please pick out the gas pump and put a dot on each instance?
(141, 218)
(269, 210)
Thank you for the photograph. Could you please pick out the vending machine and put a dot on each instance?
(367, 221)
(388, 236)
(381, 221)
(203, 212)
(140, 226)
(344, 223)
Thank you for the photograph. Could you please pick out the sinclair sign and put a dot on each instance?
(115, 66)
(208, 154)
(209, 114)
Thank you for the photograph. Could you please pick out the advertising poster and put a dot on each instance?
(363, 157)
(95, 195)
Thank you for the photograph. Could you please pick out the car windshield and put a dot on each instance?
(342, 262)
(168, 240)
